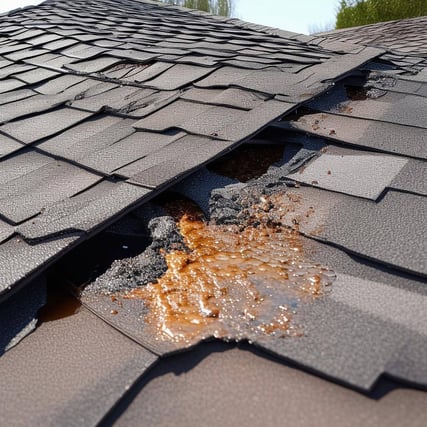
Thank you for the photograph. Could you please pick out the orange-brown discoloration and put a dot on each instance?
(234, 282)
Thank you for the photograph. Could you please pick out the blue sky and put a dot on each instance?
(301, 16)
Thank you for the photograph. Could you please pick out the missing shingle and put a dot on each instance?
(248, 161)
(203, 278)
(362, 93)
(357, 93)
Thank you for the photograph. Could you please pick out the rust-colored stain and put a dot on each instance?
(344, 108)
(60, 304)
(233, 282)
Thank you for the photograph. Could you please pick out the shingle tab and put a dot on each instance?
(16, 95)
(386, 137)
(128, 150)
(36, 257)
(93, 65)
(397, 214)
(10, 84)
(171, 116)
(8, 145)
(85, 212)
(149, 72)
(178, 76)
(26, 195)
(329, 326)
(351, 172)
(254, 120)
(36, 104)
(412, 178)
(174, 160)
(24, 162)
(6, 230)
(256, 385)
(229, 98)
(91, 135)
(32, 129)
(115, 98)
(19, 317)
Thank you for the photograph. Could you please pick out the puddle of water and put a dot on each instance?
(233, 282)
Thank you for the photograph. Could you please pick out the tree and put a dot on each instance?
(216, 7)
(352, 13)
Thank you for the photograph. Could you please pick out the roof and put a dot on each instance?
(68, 82)
(105, 105)
(404, 35)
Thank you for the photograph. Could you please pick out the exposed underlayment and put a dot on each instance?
(195, 177)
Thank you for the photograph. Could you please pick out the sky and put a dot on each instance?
(301, 16)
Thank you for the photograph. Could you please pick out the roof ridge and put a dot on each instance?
(374, 24)
(272, 31)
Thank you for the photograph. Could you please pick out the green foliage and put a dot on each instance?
(216, 7)
(352, 13)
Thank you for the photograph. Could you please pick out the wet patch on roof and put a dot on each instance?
(227, 281)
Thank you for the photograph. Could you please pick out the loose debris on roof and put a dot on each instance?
(226, 281)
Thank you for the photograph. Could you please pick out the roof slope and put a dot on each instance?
(403, 35)
(105, 104)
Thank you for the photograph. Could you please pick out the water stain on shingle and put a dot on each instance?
(233, 282)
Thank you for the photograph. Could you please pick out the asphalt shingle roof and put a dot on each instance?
(79, 90)
(106, 104)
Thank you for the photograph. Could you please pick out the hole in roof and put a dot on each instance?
(235, 276)
(356, 93)
(248, 161)
(94, 256)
